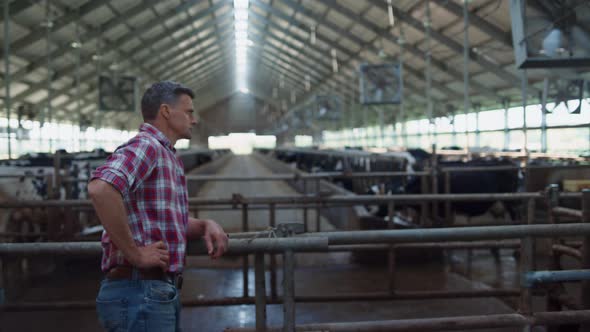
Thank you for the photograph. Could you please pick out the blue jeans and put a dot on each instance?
(138, 305)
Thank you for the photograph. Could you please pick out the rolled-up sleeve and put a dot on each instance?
(128, 166)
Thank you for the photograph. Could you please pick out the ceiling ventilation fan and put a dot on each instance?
(551, 33)
(328, 107)
(563, 91)
(380, 84)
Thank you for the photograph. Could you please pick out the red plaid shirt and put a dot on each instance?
(150, 177)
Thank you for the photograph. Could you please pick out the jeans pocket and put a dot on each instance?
(112, 314)
(162, 292)
(161, 307)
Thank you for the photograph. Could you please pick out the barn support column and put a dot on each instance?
(466, 101)
(454, 136)
(544, 116)
(7, 77)
(524, 87)
(49, 25)
(402, 113)
(428, 74)
(78, 92)
(381, 126)
(477, 131)
(505, 105)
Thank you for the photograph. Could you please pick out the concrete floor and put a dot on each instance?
(248, 166)
(316, 274)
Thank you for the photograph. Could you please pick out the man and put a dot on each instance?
(141, 199)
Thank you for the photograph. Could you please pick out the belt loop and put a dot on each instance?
(135, 274)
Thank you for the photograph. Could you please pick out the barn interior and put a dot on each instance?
(379, 165)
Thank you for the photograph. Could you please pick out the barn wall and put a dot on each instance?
(237, 113)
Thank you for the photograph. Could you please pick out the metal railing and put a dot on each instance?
(321, 242)
(274, 202)
(461, 237)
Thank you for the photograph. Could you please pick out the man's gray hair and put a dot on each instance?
(164, 92)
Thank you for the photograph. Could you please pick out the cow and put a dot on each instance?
(483, 182)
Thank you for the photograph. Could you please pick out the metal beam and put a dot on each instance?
(477, 21)
(451, 44)
(363, 45)
(350, 82)
(204, 64)
(121, 41)
(65, 49)
(17, 7)
(59, 23)
(90, 76)
(179, 67)
(197, 50)
(418, 53)
(116, 44)
(351, 78)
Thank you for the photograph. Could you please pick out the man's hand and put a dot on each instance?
(215, 239)
(152, 255)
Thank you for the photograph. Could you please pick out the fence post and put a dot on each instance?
(448, 217)
(245, 265)
(288, 291)
(434, 179)
(273, 257)
(260, 300)
(318, 215)
(424, 215)
(57, 175)
(391, 252)
(553, 303)
(305, 205)
(585, 293)
(527, 252)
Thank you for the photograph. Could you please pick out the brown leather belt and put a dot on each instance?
(126, 272)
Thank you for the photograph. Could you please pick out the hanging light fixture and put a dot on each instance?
(334, 61)
(390, 13)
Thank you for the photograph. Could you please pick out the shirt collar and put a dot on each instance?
(157, 134)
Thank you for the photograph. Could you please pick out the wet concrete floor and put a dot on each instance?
(316, 274)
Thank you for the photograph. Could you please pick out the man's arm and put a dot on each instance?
(109, 207)
(213, 235)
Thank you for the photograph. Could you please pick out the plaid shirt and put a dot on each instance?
(150, 177)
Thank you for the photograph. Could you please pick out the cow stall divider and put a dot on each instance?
(513, 236)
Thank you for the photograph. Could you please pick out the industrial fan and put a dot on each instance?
(327, 107)
(380, 84)
(551, 33)
(568, 92)
(117, 93)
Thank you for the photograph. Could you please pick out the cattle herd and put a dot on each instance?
(62, 175)
(450, 174)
